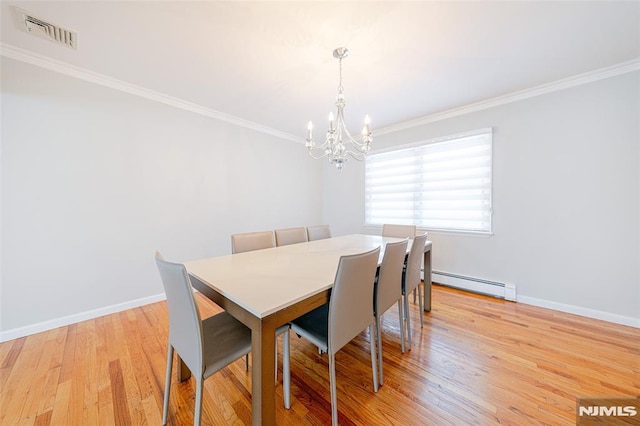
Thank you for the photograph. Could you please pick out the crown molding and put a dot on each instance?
(51, 64)
(577, 80)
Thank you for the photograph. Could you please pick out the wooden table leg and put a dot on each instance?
(427, 281)
(263, 401)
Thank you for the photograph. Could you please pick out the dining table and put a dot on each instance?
(267, 288)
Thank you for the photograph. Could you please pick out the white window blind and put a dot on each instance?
(439, 185)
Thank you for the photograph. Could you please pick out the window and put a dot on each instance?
(442, 184)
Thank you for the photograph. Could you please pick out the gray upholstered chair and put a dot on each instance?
(204, 346)
(398, 231)
(388, 290)
(411, 279)
(335, 324)
(287, 236)
(250, 241)
(318, 232)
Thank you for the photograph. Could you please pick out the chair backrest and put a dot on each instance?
(350, 309)
(287, 236)
(389, 289)
(414, 263)
(318, 232)
(252, 241)
(185, 325)
(398, 231)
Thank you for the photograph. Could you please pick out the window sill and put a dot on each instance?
(473, 234)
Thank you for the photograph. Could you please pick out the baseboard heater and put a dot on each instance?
(476, 285)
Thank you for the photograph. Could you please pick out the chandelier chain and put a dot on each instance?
(340, 88)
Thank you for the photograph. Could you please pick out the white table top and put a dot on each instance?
(266, 281)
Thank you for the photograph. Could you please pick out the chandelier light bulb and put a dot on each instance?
(310, 136)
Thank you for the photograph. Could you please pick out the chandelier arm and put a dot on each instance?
(322, 147)
(317, 157)
(351, 138)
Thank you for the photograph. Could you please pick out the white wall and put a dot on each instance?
(95, 180)
(566, 199)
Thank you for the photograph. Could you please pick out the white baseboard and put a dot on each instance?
(505, 292)
(578, 310)
(72, 319)
(508, 292)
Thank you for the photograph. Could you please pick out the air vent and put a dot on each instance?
(47, 30)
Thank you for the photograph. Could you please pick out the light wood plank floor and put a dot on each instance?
(478, 360)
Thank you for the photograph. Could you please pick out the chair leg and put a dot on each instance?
(246, 362)
(408, 318)
(401, 319)
(379, 341)
(197, 409)
(276, 358)
(420, 306)
(167, 385)
(332, 385)
(374, 367)
(286, 372)
(414, 295)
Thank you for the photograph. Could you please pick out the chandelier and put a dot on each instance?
(339, 144)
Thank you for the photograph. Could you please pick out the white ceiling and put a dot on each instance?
(271, 62)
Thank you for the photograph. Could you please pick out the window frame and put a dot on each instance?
(450, 231)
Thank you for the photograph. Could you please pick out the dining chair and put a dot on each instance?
(250, 241)
(318, 232)
(411, 280)
(287, 236)
(388, 290)
(336, 323)
(204, 346)
(398, 231)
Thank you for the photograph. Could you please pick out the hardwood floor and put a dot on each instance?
(478, 360)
